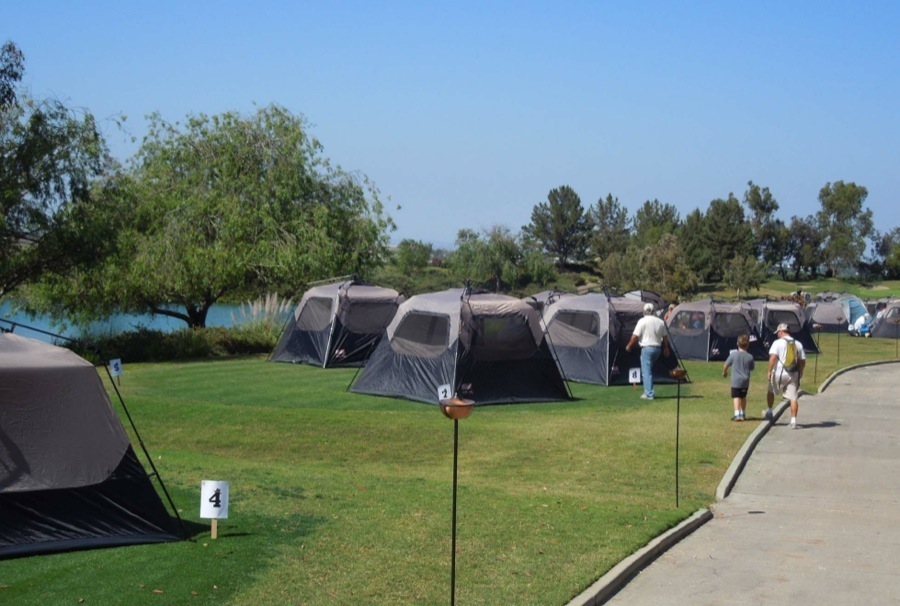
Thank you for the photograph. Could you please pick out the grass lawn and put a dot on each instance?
(339, 498)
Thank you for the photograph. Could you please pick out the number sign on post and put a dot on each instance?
(634, 375)
(115, 369)
(214, 502)
(445, 392)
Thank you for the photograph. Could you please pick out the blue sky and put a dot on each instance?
(466, 114)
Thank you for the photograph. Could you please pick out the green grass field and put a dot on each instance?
(339, 498)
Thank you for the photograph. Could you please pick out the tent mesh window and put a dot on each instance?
(586, 322)
(689, 322)
(776, 316)
(315, 315)
(502, 338)
(367, 317)
(422, 334)
(623, 327)
(731, 325)
(574, 329)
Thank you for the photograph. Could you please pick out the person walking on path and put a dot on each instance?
(650, 335)
(786, 363)
(742, 364)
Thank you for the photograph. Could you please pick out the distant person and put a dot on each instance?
(669, 311)
(787, 361)
(650, 335)
(860, 328)
(742, 364)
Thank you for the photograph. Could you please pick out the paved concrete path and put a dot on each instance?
(814, 517)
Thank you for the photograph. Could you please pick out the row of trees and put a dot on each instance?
(214, 207)
(733, 241)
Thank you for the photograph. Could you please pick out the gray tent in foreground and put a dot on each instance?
(589, 334)
(708, 330)
(337, 324)
(69, 478)
(769, 314)
(486, 347)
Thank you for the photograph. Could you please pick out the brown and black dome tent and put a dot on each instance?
(69, 478)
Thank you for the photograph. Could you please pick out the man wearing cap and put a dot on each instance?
(650, 335)
(781, 379)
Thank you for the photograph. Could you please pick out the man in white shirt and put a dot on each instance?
(650, 334)
(783, 380)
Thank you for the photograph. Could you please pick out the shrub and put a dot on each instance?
(256, 330)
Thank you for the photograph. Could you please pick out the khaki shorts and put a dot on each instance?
(787, 384)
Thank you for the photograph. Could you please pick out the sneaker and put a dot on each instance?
(646, 397)
(767, 414)
(793, 424)
(737, 418)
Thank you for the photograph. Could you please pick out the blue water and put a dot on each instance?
(219, 315)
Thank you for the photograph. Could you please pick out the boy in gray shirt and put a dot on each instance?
(742, 365)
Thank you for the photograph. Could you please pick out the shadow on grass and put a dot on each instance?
(683, 397)
(194, 530)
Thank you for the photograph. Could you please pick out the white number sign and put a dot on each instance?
(213, 499)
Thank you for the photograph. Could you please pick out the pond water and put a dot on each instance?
(219, 315)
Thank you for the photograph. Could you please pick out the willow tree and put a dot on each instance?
(49, 157)
(226, 207)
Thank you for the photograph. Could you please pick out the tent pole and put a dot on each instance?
(291, 319)
(677, 355)
(365, 361)
(140, 440)
(555, 357)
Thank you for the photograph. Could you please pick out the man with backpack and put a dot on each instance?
(786, 363)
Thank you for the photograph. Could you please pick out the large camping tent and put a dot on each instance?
(708, 330)
(337, 324)
(589, 334)
(769, 314)
(648, 296)
(836, 314)
(875, 306)
(887, 322)
(69, 478)
(486, 347)
(544, 298)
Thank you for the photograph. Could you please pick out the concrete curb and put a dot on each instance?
(610, 583)
(743, 455)
(619, 575)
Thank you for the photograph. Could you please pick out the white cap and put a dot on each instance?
(648, 309)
